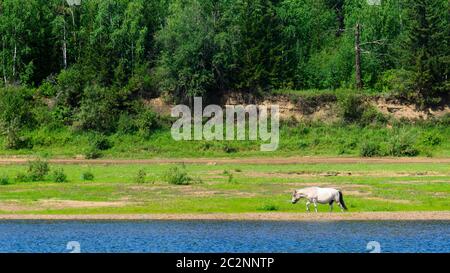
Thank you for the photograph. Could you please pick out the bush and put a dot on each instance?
(59, 176)
(37, 170)
(100, 142)
(22, 177)
(351, 107)
(431, 139)
(87, 176)
(372, 115)
(445, 120)
(178, 176)
(93, 153)
(227, 148)
(147, 122)
(4, 180)
(98, 109)
(303, 144)
(16, 113)
(15, 105)
(402, 145)
(269, 208)
(142, 82)
(140, 176)
(370, 149)
(70, 83)
(13, 140)
(97, 144)
(126, 124)
(399, 81)
(47, 88)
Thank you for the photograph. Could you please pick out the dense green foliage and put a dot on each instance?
(207, 47)
(87, 67)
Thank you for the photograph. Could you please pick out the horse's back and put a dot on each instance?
(326, 195)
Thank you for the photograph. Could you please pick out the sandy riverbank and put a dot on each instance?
(269, 216)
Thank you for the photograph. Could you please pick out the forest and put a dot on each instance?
(87, 67)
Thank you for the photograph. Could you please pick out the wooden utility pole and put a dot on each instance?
(359, 83)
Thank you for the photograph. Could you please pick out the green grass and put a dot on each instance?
(299, 140)
(255, 188)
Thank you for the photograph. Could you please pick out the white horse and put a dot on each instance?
(319, 195)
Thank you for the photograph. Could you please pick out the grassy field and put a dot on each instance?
(226, 188)
(315, 139)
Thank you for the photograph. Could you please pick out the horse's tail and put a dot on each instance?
(341, 200)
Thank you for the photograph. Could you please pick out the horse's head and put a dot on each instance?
(295, 197)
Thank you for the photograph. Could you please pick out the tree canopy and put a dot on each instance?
(209, 47)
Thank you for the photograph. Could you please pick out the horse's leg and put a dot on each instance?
(307, 205)
(315, 205)
(336, 199)
(331, 206)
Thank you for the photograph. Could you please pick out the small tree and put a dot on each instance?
(37, 170)
(427, 48)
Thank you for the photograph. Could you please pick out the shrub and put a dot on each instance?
(303, 144)
(350, 143)
(351, 107)
(22, 177)
(205, 146)
(147, 122)
(142, 82)
(47, 88)
(100, 142)
(87, 176)
(372, 115)
(13, 140)
(37, 170)
(227, 148)
(178, 176)
(97, 144)
(269, 208)
(399, 81)
(402, 145)
(4, 180)
(431, 139)
(93, 153)
(70, 83)
(370, 149)
(140, 176)
(126, 124)
(445, 120)
(59, 176)
(98, 109)
(16, 106)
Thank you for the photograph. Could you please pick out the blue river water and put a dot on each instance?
(224, 236)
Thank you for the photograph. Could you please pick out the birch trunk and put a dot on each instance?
(64, 46)
(359, 83)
